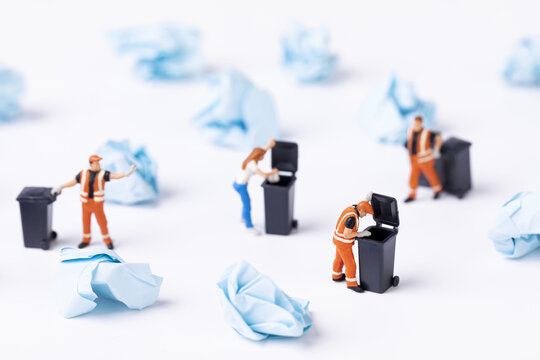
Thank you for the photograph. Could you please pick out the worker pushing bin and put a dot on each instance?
(376, 252)
(36, 216)
(279, 196)
(453, 167)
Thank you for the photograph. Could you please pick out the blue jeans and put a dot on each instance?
(246, 203)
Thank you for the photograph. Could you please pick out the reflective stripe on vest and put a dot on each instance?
(340, 226)
(423, 145)
(99, 192)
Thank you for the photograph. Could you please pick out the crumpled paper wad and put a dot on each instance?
(390, 109)
(164, 52)
(11, 90)
(141, 186)
(306, 54)
(256, 308)
(516, 230)
(86, 274)
(238, 115)
(523, 65)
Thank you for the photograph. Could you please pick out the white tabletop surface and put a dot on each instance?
(458, 298)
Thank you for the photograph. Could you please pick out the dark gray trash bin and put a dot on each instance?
(453, 167)
(36, 216)
(376, 253)
(279, 197)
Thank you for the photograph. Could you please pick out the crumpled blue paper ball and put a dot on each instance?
(165, 52)
(238, 115)
(11, 90)
(139, 187)
(306, 54)
(390, 108)
(523, 65)
(86, 274)
(516, 230)
(256, 308)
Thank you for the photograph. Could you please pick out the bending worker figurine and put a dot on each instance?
(424, 147)
(249, 168)
(344, 237)
(93, 196)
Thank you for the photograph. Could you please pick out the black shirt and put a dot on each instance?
(415, 136)
(92, 180)
(350, 222)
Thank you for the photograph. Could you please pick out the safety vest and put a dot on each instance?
(423, 145)
(340, 226)
(99, 186)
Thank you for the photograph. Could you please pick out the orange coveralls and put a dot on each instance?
(344, 249)
(93, 205)
(423, 161)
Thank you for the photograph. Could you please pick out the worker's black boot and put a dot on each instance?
(409, 199)
(436, 195)
(356, 288)
(83, 245)
(110, 246)
(341, 278)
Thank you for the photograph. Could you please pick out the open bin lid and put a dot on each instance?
(36, 194)
(385, 210)
(285, 156)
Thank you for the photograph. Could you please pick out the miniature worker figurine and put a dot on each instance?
(424, 147)
(344, 237)
(93, 196)
(249, 168)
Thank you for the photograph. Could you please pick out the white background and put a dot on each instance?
(458, 298)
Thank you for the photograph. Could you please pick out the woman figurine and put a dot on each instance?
(249, 168)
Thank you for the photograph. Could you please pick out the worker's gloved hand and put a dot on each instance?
(57, 190)
(362, 234)
(437, 153)
(131, 170)
(368, 196)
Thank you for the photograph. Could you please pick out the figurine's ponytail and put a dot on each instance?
(257, 155)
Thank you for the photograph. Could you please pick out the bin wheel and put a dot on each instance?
(395, 281)
(54, 235)
(295, 224)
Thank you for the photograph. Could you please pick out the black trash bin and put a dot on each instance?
(279, 197)
(376, 252)
(36, 216)
(453, 167)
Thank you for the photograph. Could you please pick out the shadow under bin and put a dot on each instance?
(279, 196)
(376, 252)
(36, 216)
(453, 167)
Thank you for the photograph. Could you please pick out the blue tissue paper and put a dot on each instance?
(390, 109)
(166, 52)
(516, 230)
(238, 115)
(306, 54)
(86, 274)
(523, 65)
(256, 308)
(141, 186)
(11, 89)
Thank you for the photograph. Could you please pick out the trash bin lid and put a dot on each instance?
(36, 194)
(454, 145)
(385, 209)
(285, 156)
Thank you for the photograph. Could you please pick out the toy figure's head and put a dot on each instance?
(94, 163)
(417, 126)
(364, 208)
(257, 154)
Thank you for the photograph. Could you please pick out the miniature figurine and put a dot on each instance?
(249, 168)
(424, 147)
(93, 196)
(344, 236)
